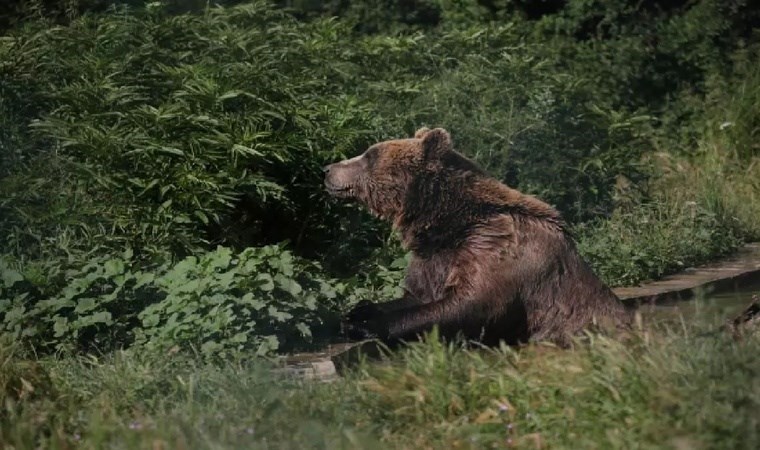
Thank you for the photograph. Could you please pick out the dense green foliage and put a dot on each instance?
(171, 122)
(160, 162)
(215, 301)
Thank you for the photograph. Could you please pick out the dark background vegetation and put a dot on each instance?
(160, 161)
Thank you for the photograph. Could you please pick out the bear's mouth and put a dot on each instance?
(339, 191)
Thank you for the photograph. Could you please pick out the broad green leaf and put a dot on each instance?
(304, 329)
(289, 285)
(250, 300)
(11, 277)
(280, 316)
(113, 267)
(210, 347)
(60, 326)
(99, 317)
(86, 304)
(266, 282)
(268, 344)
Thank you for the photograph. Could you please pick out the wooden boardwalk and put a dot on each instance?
(730, 273)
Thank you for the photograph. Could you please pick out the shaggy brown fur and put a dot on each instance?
(488, 261)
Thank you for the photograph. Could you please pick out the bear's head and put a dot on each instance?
(381, 177)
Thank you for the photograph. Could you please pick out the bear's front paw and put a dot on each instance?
(365, 310)
(361, 331)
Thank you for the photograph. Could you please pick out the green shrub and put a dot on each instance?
(512, 108)
(263, 299)
(177, 132)
(154, 128)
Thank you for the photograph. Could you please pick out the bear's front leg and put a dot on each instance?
(363, 311)
(366, 310)
(369, 320)
(472, 295)
(368, 329)
(408, 323)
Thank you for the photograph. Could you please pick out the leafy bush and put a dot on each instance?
(177, 132)
(154, 128)
(95, 306)
(701, 206)
(512, 108)
(263, 299)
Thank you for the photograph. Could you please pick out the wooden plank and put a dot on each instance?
(740, 268)
(327, 365)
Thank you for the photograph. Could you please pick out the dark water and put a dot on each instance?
(705, 306)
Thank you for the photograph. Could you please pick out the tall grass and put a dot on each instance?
(701, 208)
(663, 390)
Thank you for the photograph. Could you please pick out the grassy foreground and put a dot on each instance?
(669, 389)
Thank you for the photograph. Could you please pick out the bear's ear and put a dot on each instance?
(419, 134)
(435, 143)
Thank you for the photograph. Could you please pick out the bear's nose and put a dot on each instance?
(326, 169)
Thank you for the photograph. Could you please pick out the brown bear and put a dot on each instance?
(488, 262)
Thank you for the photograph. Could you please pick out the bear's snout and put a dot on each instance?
(342, 178)
(338, 181)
